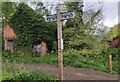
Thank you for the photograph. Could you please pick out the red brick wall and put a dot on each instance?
(114, 43)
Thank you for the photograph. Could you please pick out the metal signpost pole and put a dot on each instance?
(59, 33)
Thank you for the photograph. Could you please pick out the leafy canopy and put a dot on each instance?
(30, 26)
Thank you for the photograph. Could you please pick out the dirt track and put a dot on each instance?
(71, 73)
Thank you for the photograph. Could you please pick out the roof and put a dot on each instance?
(8, 32)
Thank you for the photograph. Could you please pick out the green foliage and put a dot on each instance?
(40, 8)
(55, 46)
(77, 8)
(8, 8)
(112, 51)
(76, 33)
(114, 32)
(24, 49)
(93, 23)
(21, 23)
(21, 57)
(30, 26)
(86, 59)
(12, 72)
(77, 41)
(81, 59)
(50, 35)
(81, 50)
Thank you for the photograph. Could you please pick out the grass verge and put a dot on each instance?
(70, 57)
(12, 71)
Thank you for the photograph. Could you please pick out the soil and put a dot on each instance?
(71, 73)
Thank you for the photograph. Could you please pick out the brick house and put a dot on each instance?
(9, 35)
(43, 48)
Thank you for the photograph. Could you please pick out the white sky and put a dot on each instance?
(110, 10)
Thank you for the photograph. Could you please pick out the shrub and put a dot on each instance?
(12, 72)
(112, 51)
(81, 59)
(84, 59)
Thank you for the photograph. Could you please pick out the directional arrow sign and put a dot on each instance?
(51, 18)
(68, 15)
(64, 16)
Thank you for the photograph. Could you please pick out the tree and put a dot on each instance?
(8, 8)
(74, 32)
(93, 23)
(78, 32)
(40, 8)
(113, 33)
(77, 8)
(30, 26)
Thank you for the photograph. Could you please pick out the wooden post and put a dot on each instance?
(59, 34)
(52, 18)
(110, 58)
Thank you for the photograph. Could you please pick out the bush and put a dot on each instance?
(34, 75)
(112, 51)
(81, 59)
(50, 58)
(12, 72)
(84, 59)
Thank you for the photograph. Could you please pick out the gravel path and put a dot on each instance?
(71, 73)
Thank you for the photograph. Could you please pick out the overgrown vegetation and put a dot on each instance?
(82, 48)
(21, 57)
(30, 26)
(15, 72)
(80, 59)
(114, 32)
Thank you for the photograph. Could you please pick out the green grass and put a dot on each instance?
(17, 57)
(14, 72)
(74, 58)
